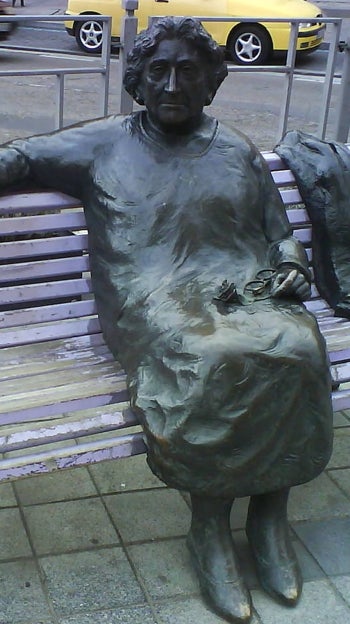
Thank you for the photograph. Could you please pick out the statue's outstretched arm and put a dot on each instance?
(14, 168)
(60, 160)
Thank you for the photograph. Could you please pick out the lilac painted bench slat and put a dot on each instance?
(57, 351)
(54, 312)
(43, 247)
(39, 201)
(42, 223)
(67, 384)
(78, 424)
(59, 383)
(72, 456)
(274, 162)
(49, 410)
(342, 371)
(303, 235)
(47, 290)
(297, 216)
(64, 329)
(20, 272)
(283, 178)
(53, 355)
(290, 196)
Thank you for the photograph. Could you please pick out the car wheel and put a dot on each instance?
(88, 35)
(249, 45)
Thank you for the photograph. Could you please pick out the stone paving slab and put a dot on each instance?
(13, 539)
(320, 604)
(342, 478)
(74, 525)
(189, 611)
(134, 615)
(342, 583)
(164, 568)
(22, 596)
(320, 498)
(90, 581)
(7, 497)
(329, 543)
(55, 487)
(137, 514)
(124, 476)
(341, 449)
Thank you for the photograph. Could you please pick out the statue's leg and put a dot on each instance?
(275, 560)
(214, 558)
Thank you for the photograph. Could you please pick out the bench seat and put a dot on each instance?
(63, 400)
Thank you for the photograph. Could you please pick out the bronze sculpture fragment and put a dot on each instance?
(199, 286)
(322, 170)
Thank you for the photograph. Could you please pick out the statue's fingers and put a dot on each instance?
(286, 284)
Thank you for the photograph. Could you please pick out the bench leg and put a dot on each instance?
(215, 561)
(275, 560)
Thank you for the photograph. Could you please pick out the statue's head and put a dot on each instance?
(174, 69)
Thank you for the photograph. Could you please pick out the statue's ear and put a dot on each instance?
(138, 97)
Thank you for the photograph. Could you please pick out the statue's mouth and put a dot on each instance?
(172, 104)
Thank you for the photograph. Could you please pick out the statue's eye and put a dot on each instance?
(188, 70)
(157, 69)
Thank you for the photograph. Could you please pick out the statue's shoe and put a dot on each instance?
(220, 582)
(276, 564)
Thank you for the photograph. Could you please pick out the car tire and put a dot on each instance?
(88, 35)
(249, 44)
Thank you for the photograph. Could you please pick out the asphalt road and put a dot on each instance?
(51, 37)
(251, 102)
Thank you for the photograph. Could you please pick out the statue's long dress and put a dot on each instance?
(234, 400)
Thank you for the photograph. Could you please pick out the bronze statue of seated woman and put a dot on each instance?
(232, 387)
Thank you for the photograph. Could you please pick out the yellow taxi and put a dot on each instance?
(246, 43)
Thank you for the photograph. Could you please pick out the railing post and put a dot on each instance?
(290, 67)
(59, 101)
(343, 108)
(328, 81)
(106, 63)
(127, 37)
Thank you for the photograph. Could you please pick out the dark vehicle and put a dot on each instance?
(6, 28)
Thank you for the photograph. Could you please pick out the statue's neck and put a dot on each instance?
(194, 141)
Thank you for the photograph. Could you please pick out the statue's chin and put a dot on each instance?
(176, 122)
(172, 114)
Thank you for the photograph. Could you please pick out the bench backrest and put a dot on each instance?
(45, 289)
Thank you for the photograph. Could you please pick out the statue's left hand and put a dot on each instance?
(291, 282)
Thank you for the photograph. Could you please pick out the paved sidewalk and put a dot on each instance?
(41, 7)
(106, 545)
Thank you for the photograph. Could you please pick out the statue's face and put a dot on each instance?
(174, 85)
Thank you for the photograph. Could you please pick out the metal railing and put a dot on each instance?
(289, 69)
(103, 68)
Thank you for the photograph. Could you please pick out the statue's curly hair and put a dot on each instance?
(182, 28)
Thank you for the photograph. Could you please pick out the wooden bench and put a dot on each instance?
(63, 400)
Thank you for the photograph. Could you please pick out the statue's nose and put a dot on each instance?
(171, 86)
